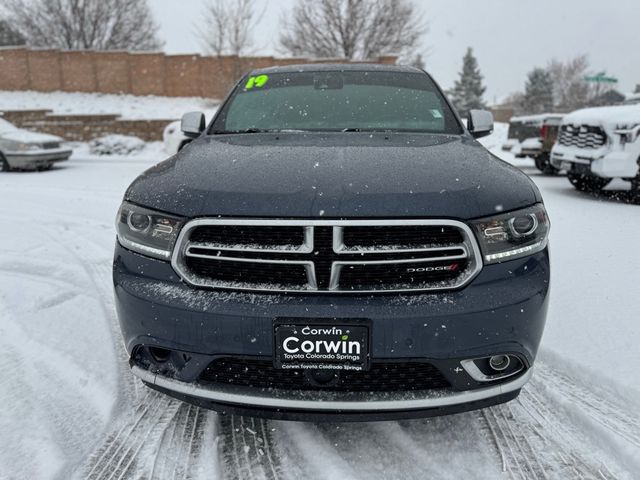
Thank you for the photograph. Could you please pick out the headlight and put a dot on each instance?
(21, 146)
(28, 147)
(513, 235)
(146, 231)
(629, 133)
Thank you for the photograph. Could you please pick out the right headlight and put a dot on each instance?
(146, 231)
(512, 235)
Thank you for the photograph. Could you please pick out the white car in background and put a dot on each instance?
(25, 150)
(596, 145)
(173, 138)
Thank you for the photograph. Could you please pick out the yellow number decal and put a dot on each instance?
(258, 81)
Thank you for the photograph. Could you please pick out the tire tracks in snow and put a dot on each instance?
(175, 443)
(248, 448)
(604, 411)
(534, 439)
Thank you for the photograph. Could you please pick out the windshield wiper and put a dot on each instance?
(257, 130)
(246, 130)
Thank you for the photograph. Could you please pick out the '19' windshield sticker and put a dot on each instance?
(258, 81)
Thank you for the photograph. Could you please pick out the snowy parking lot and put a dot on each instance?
(71, 408)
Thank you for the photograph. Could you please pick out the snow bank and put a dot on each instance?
(116, 145)
(130, 107)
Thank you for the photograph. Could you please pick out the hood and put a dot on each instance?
(607, 117)
(341, 175)
(25, 136)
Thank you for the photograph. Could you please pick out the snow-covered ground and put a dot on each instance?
(69, 407)
(130, 107)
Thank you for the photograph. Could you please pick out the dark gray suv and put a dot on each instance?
(335, 244)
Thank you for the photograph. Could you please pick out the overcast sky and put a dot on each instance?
(509, 37)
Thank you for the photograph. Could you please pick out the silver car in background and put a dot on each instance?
(25, 150)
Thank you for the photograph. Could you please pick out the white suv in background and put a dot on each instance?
(596, 145)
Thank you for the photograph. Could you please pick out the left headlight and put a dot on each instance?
(513, 235)
(146, 231)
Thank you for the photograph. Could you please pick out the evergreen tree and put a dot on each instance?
(538, 92)
(467, 92)
(637, 88)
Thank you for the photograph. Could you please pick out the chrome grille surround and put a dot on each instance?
(467, 250)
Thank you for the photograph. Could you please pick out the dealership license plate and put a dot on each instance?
(322, 346)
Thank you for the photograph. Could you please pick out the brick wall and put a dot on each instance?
(134, 73)
(84, 128)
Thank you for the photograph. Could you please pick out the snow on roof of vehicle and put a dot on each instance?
(539, 118)
(602, 115)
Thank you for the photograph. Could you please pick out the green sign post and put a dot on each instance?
(601, 78)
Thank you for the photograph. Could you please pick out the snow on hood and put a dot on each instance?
(6, 126)
(25, 136)
(607, 117)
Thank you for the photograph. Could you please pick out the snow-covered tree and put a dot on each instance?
(468, 90)
(570, 90)
(538, 92)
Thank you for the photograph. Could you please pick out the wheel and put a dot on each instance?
(587, 183)
(4, 165)
(543, 163)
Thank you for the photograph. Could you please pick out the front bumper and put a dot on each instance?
(31, 160)
(503, 310)
(266, 404)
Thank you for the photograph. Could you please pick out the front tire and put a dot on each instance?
(543, 163)
(587, 183)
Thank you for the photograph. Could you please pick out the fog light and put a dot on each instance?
(160, 355)
(499, 362)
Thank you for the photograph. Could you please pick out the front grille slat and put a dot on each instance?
(390, 376)
(355, 256)
(582, 136)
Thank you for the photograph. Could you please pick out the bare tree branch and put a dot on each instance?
(84, 24)
(227, 27)
(354, 29)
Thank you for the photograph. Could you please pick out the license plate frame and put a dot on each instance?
(352, 353)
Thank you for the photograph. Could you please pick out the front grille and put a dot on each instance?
(382, 377)
(262, 237)
(50, 145)
(235, 272)
(399, 237)
(327, 256)
(381, 276)
(582, 136)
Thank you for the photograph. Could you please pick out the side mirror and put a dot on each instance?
(480, 123)
(193, 124)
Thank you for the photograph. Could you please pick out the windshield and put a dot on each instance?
(337, 101)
